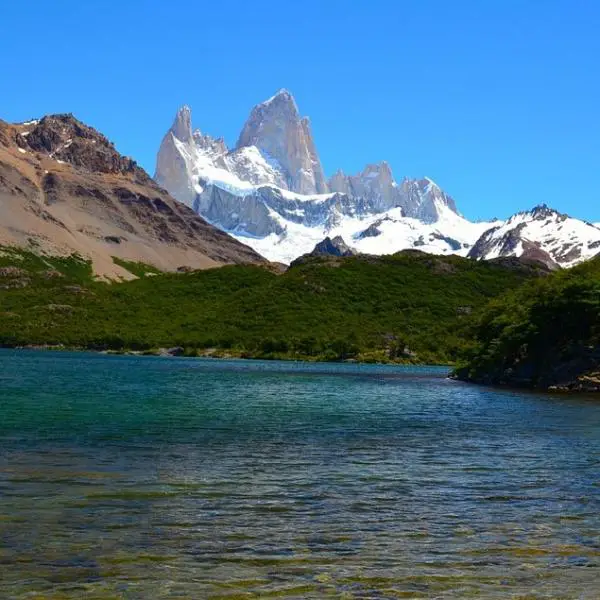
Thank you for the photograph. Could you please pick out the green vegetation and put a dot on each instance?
(408, 307)
(543, 334)
(40, 267)
(139, 269)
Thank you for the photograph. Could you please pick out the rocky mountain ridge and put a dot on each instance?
(64, 188)
(543, 234)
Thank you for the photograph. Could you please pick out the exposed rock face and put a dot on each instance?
(66, 139)
(327, 248)
(316, 167)
(270, 191)
(454, 244)
(425, 199)
(173, 166)
(277, 130)
(333, 247)
(182, 125)
(375, 183)
(525, 263)
(542, 234)
(267, 210)
(64, 188)
(213, 146)
(419, 198)
(371, 231)
(252, 216)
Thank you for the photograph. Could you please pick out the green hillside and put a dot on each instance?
(407, 307)
(545, 334)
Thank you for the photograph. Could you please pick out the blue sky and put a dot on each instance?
(496, 100)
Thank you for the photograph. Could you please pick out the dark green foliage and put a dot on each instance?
(406, 307)
(544, 333)
(139, 269)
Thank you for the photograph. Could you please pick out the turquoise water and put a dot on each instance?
(144, 478)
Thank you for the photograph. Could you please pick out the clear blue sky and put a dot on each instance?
(496, 100)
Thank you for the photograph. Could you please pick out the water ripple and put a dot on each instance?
(155, 478)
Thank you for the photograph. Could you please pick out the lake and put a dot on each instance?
(150, 478)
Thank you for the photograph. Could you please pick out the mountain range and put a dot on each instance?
(64, 188)
(270, 192)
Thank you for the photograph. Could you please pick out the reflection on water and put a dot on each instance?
(143, 478)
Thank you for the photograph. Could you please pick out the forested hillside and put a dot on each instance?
(544, 334)
(407, 307)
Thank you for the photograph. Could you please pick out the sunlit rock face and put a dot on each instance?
(284, 138)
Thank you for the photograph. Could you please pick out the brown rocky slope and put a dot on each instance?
(64, 188)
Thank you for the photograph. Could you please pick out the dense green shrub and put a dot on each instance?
(546, 330)
(406, 307)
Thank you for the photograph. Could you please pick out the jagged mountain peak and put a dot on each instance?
(182, 125)
(538, 211)
(284, 138)
(282, 97)
(428, 198)
(381, 169)
(335, 246)
(427, 182)
(543, 211)
(280, 106)
(421, 199)
(183, 132)
(541, 207)
(51, 131)
(63, 138)
(422, 183)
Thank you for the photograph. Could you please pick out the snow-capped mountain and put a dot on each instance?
(284, 139)
(543, 234)
(270, 192)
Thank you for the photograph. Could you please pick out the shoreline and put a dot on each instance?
(577, 387)
(217, 354)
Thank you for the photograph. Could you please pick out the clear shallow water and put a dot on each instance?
(144, 478)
